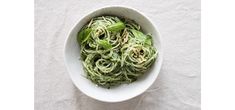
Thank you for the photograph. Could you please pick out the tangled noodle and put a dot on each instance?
(115, 51)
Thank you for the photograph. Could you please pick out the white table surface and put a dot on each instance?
(178, 84)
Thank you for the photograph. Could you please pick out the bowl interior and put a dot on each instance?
(124, 91)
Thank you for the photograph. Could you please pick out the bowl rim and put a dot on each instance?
(160, 58)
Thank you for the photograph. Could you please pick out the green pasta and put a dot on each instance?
(115, 51)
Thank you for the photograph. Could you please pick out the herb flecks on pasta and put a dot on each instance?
(115, 51)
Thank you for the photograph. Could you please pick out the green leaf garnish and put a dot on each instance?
(148, 40)
(84, 35)
(105, 44)
(139, 35)
(116, 27)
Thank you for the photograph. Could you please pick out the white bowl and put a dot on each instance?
(124, 91)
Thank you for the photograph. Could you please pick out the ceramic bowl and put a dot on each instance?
(124, 91)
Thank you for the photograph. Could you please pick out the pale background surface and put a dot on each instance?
(178, 84)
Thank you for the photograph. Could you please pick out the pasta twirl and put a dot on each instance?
(115, 51)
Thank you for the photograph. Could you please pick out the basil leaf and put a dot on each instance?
(148, 41)
(105, 44)
(139, 35)
(84, 35)
(116, 27)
